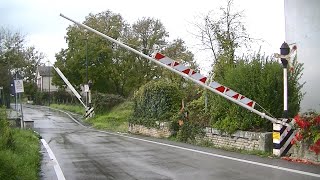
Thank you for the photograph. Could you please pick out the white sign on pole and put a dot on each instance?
(18, 86)
(86, 88)
(1, 87)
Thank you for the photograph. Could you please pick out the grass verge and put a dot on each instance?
(114, 120)
(72, 108)
(20, 159)
(19, 152)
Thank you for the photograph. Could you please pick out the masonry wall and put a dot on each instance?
(240, 140)
(301, 150)
(161, 132)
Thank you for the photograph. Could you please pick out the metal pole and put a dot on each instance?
(22, 121)
(86, 70)
(285, 50)
(263, 115)
(49, 81)
(15, 93)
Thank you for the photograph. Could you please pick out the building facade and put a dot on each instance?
(302, 27)
(44, 79)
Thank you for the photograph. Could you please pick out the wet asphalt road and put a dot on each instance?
(84, 153)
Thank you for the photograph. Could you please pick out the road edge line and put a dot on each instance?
(205, 153)
(56, 166)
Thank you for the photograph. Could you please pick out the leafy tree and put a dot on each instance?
(16, 58)
(150, 36)
(112, 69)
(223, 34)
(100, 52)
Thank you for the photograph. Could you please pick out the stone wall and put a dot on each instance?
(301, 150)
(161, 132)
(240, 140)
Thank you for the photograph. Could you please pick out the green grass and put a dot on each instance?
(21, 159)
(19, 152)
(72, 108)
(114, 120)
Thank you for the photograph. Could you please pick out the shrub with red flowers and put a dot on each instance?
(308, 125)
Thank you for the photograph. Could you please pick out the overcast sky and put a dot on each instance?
(39, 20)
(45, 29)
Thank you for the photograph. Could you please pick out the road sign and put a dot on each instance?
(1, 87)
(18, 86)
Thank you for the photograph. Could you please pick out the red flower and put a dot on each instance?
(299, 136)
(315, 149)
(293, 141)
(303, 124)
(317, 120)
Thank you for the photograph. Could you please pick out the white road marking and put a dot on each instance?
(207, 153)
(56, 166)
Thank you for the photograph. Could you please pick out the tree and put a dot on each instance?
(17, 58)
(111, 68)
(72, 61)
(223, 35)
(150, 36)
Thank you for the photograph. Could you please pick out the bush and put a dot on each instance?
(308, 125)
(58, 97)
(5, 133)
(104, 102)
(155, 101)
(193, 119)
(259, 79)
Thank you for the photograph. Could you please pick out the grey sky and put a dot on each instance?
(45, 29)
(40, 20)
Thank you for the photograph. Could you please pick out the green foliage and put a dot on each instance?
(189, 131)
(16, 59)
(112, 69)
(261, 80)
(23, 160)
(59, 97)
(155, 101)
(19, 152)
(30, 90)
(115, 119)
(193, 118)
(104, 102)
(5, 131)
(78, 109)
(308, 130)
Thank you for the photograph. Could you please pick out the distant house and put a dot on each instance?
(44, 78)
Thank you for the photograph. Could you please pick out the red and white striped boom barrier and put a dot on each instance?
(191, 75)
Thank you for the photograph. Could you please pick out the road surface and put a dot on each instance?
(84, 153)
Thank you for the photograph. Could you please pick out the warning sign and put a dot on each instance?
(276, 135)
(18, 86)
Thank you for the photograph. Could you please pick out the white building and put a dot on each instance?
(302, 27)
(44, 78)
